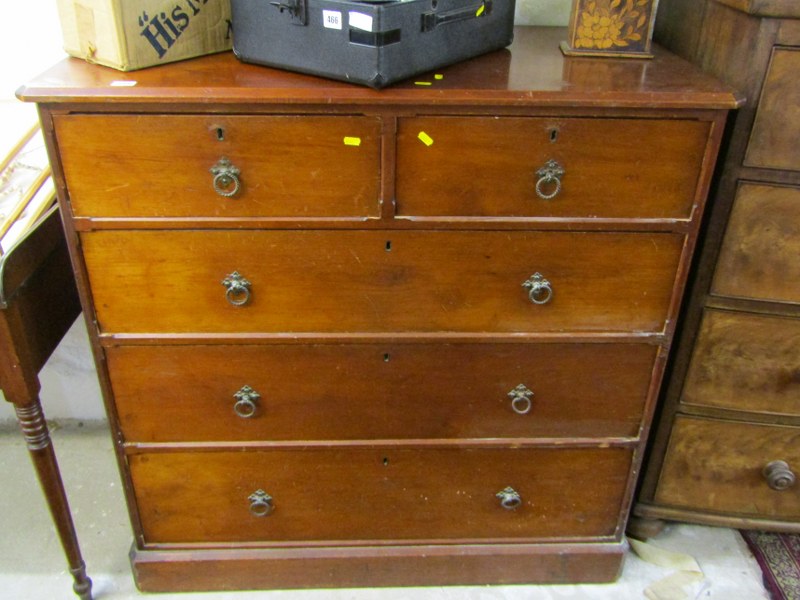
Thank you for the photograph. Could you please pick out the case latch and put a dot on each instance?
(297, 10)
(432, 20)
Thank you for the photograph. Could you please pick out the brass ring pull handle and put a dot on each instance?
(226, 178)
(779, 475)
(237, 289)
(246, 399)
(549, 176)
(509, 498)
(539, 289)
(521, 399)
(261, 504)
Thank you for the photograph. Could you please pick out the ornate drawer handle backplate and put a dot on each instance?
(237, 289)
(539, 289)
(521, 399)
(261, 504)
(779, 475)
(509, 498)
(549, 177)
(226, 178)
(246, 399)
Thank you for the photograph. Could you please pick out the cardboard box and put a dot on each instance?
(132, 34)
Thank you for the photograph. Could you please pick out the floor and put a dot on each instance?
(32, 566)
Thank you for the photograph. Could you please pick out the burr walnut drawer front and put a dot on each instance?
(379, 391)
(759, 255)
(386, 493)
(773, 141)
(351, 281)
(745, 361)
(731, 468)
(221, 165)
(549, 167)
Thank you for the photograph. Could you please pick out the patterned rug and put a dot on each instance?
(778, 554)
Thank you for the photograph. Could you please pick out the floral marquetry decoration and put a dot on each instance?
(617, 28)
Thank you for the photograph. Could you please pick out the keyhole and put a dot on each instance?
(385, 462)
(386, 357)
(553, 135)
(220, 134)
(389, 246)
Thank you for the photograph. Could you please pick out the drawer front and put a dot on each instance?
(746, 362)
(358, 281)
(718, 466)
(773, 140)
(760, 255)
(400, 391)
(385, 493)
(160, 166)
(487, 167)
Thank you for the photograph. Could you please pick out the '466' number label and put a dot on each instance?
(332, 19)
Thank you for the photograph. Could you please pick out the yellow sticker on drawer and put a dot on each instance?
(425, 138)
(352, 141)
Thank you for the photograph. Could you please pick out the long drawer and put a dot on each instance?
(161, 165)
(724, 467)
(747, 362)
(379, 391)
(347, 494)
(373, 281)
(758, 257)
(490, 167)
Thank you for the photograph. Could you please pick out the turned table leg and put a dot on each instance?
(19, 367)
(40, 448)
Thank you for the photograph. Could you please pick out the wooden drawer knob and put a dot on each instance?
(246, 398)
(226, 178)
(509, 498)
(548, 186)
(261, 504)
(539, 289)
(778, 475)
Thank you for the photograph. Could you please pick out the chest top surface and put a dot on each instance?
(531, 72)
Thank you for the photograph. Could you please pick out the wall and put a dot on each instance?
(31, 38)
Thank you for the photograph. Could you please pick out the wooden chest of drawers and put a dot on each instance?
(359, 338)
(727, 446)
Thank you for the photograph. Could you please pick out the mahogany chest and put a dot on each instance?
(361, 338)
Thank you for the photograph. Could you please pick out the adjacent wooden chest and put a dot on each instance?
(359, 338)
(727, 448)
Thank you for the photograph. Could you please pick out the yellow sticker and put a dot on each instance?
(480, 10)
(352, 141)
(438, 76)
(422, 83)
(425, 138)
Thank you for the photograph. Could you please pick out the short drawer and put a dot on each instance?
(747, 362)
(719, 466)
(760, 254)
(373, 281)
(490, 167)
(386, 391)
(161, 165)
(388, 493)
